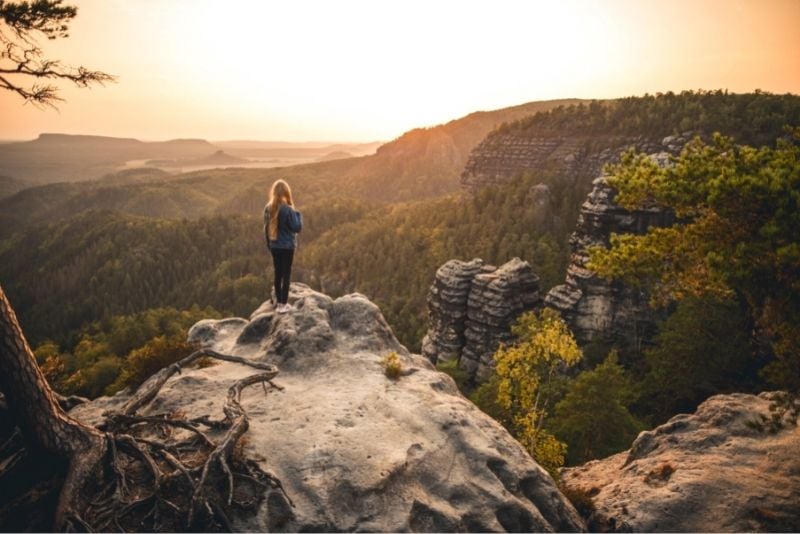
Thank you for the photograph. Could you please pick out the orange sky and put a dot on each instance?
(362, 71)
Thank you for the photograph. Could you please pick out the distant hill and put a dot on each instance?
(60, 157)
(336, 154)
(217, 158)
(576, 141)
(9, 186)
(427, 162)
(422, 163)
(280, 149)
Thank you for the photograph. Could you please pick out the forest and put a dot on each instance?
(106, 295)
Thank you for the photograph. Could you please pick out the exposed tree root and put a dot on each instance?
(159, 472)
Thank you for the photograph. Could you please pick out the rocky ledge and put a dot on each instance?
(720, 469)
(355, 450)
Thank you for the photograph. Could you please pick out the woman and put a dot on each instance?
(281, 224)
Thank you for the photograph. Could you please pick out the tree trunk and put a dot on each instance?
(42, 422)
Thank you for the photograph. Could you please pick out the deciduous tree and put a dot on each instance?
(525, 374)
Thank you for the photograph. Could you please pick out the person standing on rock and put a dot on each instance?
(282, 222)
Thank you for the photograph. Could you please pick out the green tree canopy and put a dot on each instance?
(738, 233)
(702, 349)
(593, 418)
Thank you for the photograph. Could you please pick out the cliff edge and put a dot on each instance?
(356, 450)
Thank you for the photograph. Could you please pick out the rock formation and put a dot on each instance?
(354, 449)
(597, 309)
(503, 155)
(447, 310)
(716, 470)
(472, 306)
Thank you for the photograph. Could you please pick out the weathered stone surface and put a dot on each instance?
(471, 307)
(447, 310)
(355, 450)
(597, 309)
(710, 471)
(496, 299)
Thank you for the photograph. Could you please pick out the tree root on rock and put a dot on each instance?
(160, 472)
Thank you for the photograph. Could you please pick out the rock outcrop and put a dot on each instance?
(447, 310)
(471, 308)
(595, 308)
(715, 470)
(355, 450)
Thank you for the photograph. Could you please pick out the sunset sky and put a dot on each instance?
(364, 71)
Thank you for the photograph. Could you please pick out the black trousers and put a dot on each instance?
(282, 260)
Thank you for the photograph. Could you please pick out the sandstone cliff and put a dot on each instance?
(505, 154)
(717, 470)
(471, 309)
(354, 449)
(595, 308)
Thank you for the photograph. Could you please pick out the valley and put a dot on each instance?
(87, 261)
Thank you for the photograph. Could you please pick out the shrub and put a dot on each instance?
(145, 361)
(392, 367)
(580, 498)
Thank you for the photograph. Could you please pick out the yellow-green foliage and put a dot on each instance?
(525, 372)
(145, 361)
(392, 367)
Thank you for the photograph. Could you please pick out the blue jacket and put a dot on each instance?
(290, 222)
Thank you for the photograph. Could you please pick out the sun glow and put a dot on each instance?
(371, 70)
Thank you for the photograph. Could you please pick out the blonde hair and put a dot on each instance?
(280, 193)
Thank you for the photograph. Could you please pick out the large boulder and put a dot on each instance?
(354, 449)
(725, 468)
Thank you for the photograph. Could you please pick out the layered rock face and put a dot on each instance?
(355, 450)
(471, 308)
(447, 310)
(597, 309)
(502, 156)
(711, 471)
